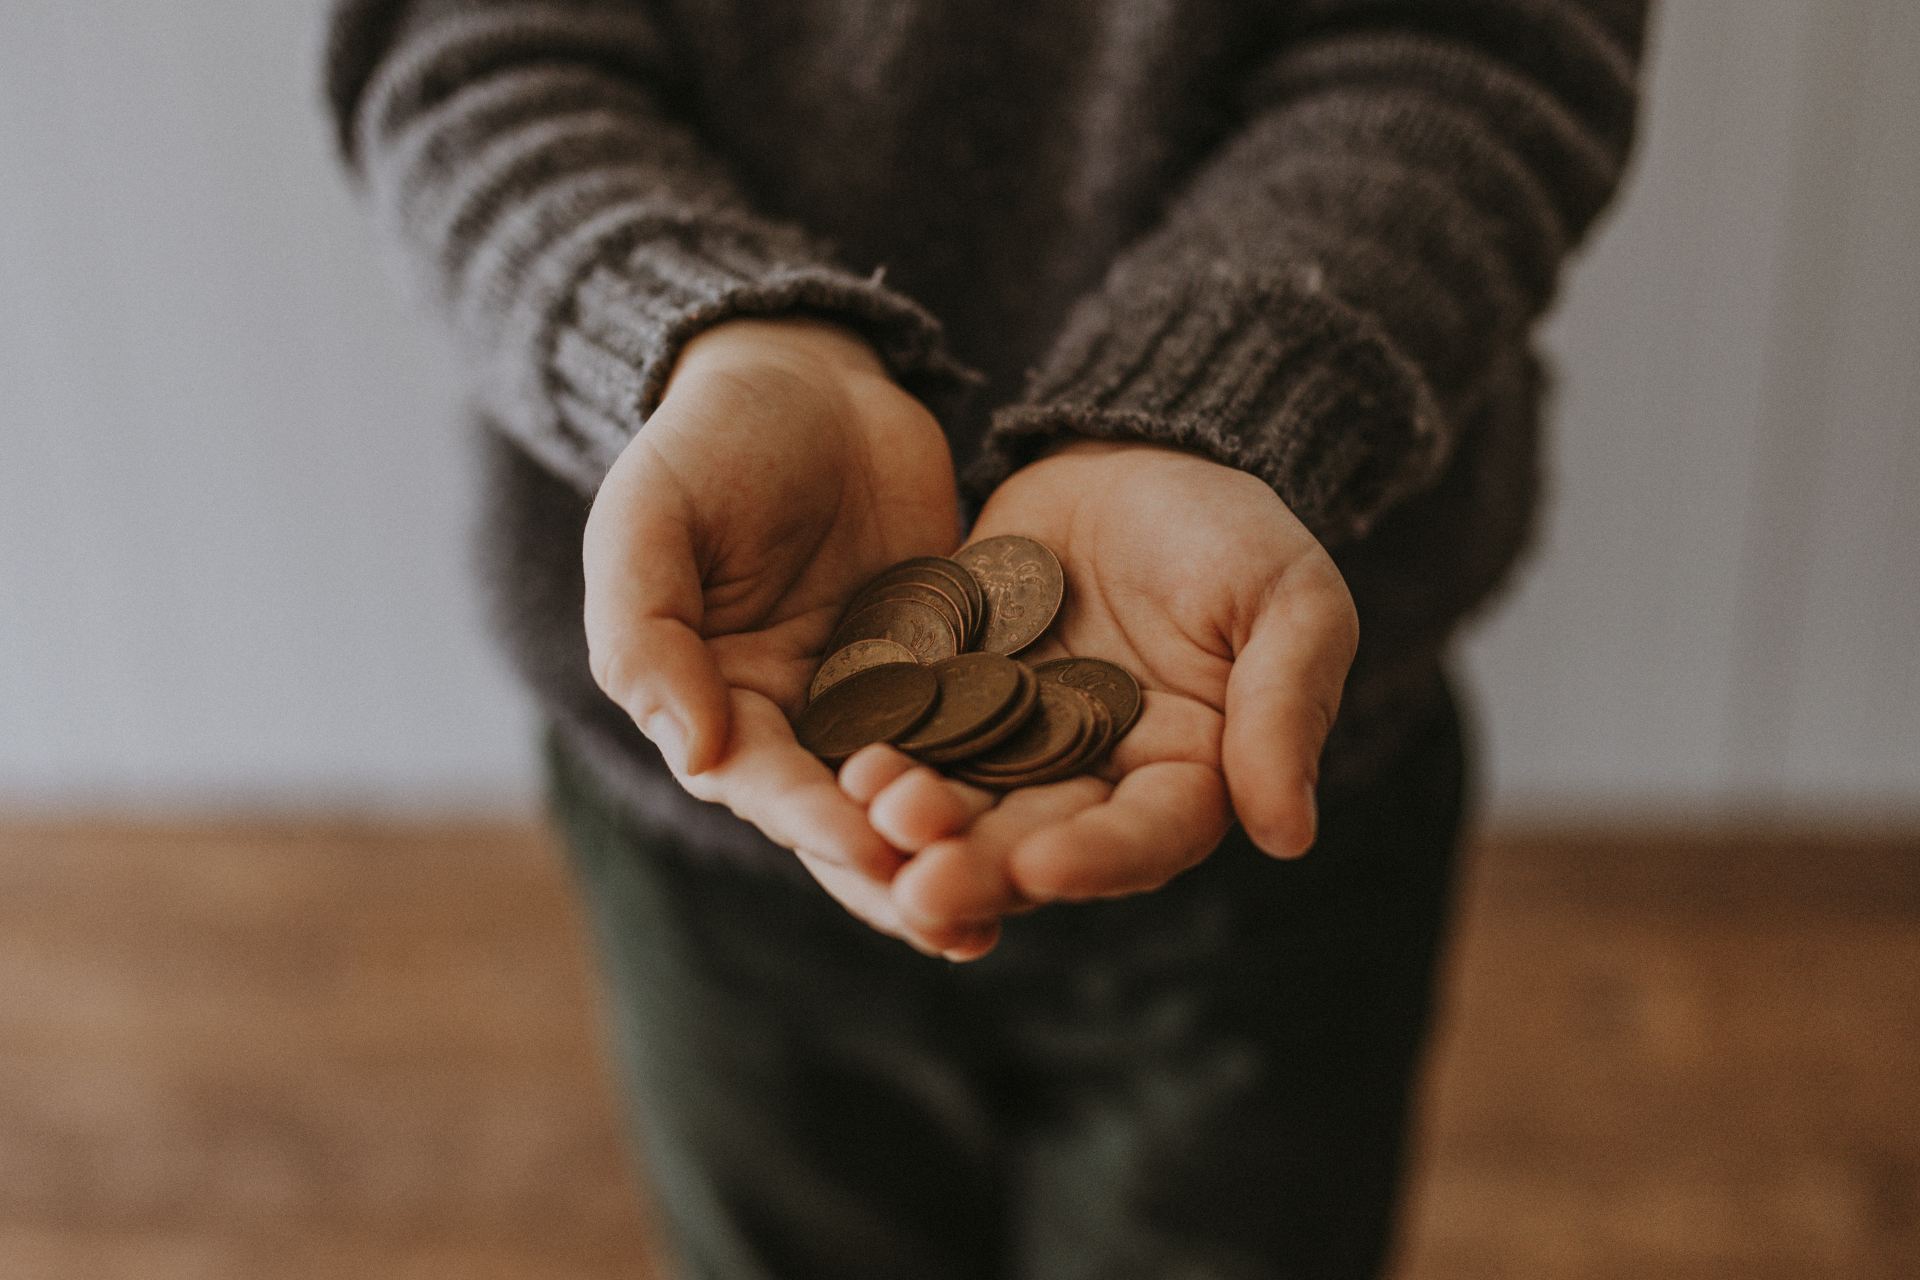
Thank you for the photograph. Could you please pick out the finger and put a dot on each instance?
(973, 944)
(643, 612)
(1161, 819)
(909, 804)
(954, 883)
(1282, 696)
(953, 940)
(965, 879)
(868, 901)
(770, 780)
(868, 771)
(920, 807)
(864, 898)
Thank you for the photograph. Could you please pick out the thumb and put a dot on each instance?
(1282, 696)
(643, 612)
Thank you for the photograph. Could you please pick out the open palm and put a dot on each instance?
(1200, 581)
(782, 469)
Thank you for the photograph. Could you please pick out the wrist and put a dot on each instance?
(1103, 472)
(1087, 452)
(1091, 447)
(802, 345)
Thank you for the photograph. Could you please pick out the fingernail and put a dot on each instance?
(1311, 806)
(977, 944)
(663, 727)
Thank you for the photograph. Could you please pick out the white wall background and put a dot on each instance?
(1727, 613)
(233, 484)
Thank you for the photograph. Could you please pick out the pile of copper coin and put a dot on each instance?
(923, 658)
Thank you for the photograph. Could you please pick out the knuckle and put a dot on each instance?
(1347, 626)
(600, 665)
(615, 670)
(1321, 712)
(1045, 877)
(916, 900)
(923, 907)
(703, 786)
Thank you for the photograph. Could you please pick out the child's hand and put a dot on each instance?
(1198, 579)
(782, 469)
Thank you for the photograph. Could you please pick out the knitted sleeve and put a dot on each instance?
(522, 154)
(1324, 301)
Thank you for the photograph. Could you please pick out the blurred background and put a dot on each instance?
(289, 981)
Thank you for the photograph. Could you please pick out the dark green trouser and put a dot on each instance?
(1208, 1081)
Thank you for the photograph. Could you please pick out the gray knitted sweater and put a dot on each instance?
(1308, 238)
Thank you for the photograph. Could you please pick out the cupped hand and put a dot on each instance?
(1198, 579)
(782, 469)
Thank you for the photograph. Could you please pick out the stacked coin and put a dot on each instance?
(923, 658)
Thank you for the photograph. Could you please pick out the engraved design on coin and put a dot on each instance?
(855, 657)
(1023, 585)
(918, 627)
(941, 603)
(1113, 685)
(964, 604)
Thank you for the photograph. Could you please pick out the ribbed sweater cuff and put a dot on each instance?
(610, 358)
(1284, 382)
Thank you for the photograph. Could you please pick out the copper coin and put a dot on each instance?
(1098, 738)
(991, 735)
(1023, 585)
(1096, 735)
(1058, 724)
(875, 705)
(939, 573)
(975, 691)
(934, 597)
(857, 656)
(956, 579)
(1112, 684)
(921, 628)
(957, 576)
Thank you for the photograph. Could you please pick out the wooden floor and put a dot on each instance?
(241, 1051)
